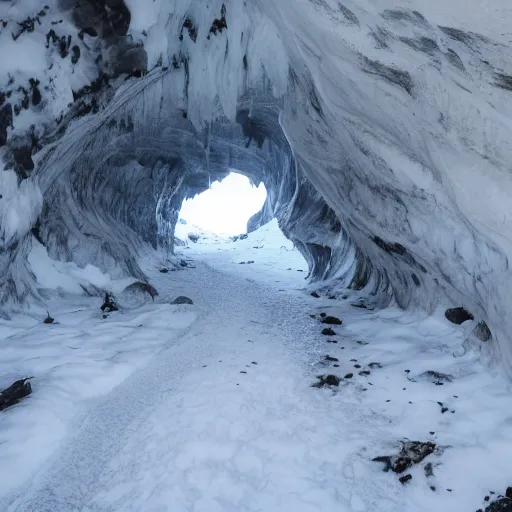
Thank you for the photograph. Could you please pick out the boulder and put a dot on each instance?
(458, 315)
(182, 300)
(327, 380)
(434, 377)
(482, 332)
(14, 393)
(331, 320)
(411, 452)
(138, 294)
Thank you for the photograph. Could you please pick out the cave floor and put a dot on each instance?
(210, 407)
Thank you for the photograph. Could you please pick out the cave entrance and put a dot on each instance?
(224, 208)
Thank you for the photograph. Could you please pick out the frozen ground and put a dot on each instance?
(210, 408)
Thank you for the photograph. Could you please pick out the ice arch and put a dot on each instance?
(382, 137)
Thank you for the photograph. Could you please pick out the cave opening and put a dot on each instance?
(224, 209)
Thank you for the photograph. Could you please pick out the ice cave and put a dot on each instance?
(342, 309)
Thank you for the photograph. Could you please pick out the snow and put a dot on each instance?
(68, 276)
(20, 208)
(148, 410)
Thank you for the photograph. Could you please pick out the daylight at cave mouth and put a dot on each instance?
(226, 207)
(254, 256)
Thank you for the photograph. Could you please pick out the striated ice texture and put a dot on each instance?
(383, 135)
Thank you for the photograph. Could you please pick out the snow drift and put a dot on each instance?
(382, 135)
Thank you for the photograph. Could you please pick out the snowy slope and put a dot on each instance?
(210, 407)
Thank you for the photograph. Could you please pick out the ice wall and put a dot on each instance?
(383, 136)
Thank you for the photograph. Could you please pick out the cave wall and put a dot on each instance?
(383, 140)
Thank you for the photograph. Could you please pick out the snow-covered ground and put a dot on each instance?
(210, 408)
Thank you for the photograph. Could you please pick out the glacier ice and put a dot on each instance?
(382, 134)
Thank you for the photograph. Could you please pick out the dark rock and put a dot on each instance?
(15, 393)
(365, 372)
(112, 17)
(182, 300)
(500, 505)
(23, 159)
(164, 270)
(323, 315)
(436, 378)
(48, 319)
(375, 365)
(75, 57)
(192, 29)
(183, 263)
(315, 294)
(193, 237)
(357, 366)
(327, 380)
(349, 376)
(404, 479)
(328, 332)
(137, 294)
(330, 358)
(5, 121)
(219, 24)
(109, 304)
(482, 332)
(145, 287)
(458, 315)
(411, 452)
(331, 320)
(332, 341)
(36, 93)
(429, 469)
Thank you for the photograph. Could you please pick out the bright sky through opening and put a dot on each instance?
(226, 207)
